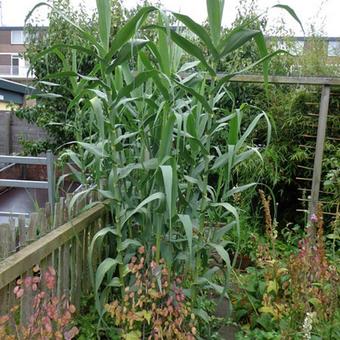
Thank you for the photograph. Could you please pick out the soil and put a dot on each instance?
(228, 332)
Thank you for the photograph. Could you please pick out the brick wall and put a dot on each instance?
(12, 129)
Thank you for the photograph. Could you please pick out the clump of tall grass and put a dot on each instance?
(152, 118)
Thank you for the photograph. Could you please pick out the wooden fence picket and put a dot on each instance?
(4, 251)
(12, 246)
(27, 298)
(22, 231)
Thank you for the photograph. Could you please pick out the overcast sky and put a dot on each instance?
(324, 14)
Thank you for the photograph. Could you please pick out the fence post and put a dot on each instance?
(320, 143)
(50, 178)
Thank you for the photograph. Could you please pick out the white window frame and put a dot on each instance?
(333, 48)
(299, 46)
(22, 40)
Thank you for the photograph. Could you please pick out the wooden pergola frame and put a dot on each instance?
(326, 83)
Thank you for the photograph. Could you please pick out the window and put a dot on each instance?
(334, 48)
(15, 65)
(17, 37)
(298, 47)
(294, 47)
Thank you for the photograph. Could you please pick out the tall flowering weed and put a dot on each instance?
(314, 281)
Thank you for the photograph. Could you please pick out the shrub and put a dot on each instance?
(51, 316)
(154, 305)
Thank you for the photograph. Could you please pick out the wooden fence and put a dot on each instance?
(61, 242)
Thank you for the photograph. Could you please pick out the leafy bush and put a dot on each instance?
(51, 316)
(153, 307)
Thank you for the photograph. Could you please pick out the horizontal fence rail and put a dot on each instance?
(24, 160)
(19, 183)
(254, 78)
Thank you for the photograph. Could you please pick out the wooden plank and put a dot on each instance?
(59, 219)
(315, 137)
(43, 222)
(22, 231)
(323, 202)
(4, 237)
(320, 143)
(18, 263)
(26, 301)
(324, 213)
(305, 167)
(79, 269)
(32, 228)
(321, 192)
(317, 115)
(46, 262)
(68, 213)
(65, 266)
(48, 214)
(4, 251)
(253, 78)
(56, 216)
(12, 236)
(50, 176)
(311, 103)
(85, 265)
(72, 269)
(4, 297)
(12, 249)
(307, 146)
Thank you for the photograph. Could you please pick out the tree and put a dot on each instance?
(52, 112)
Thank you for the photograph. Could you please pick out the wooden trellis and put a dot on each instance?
(326, 83)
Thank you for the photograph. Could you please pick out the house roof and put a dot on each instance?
(15, 87)
(11, 28)
(18, 28)
(12, 92)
